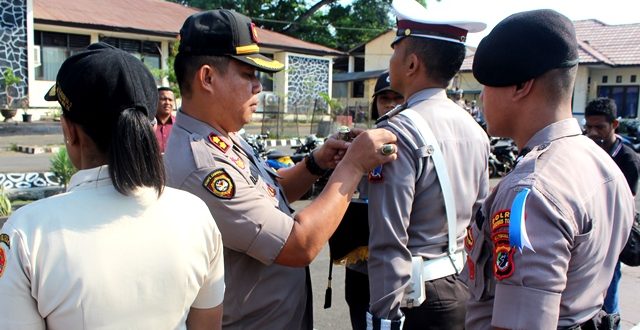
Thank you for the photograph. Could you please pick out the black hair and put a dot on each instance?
(165, 89)
(443, 58)
(185, 67)
(602, 106)
(133, 154)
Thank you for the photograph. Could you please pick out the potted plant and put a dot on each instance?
(10, 79)
(26, 116)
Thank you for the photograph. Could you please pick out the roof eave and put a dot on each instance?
(106, 28)
(303, 50)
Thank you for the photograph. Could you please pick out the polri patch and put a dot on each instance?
(218, 143)
(500, 219)
(4, 238)
(220, 184)
(503, 265)
(3, 261)
(375, 175)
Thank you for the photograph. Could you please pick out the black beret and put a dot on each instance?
(524, 46)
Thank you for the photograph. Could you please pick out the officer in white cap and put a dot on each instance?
(416, 242)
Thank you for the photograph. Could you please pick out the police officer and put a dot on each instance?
(543, 249)
(266, 248)
(118, 250)
(408, 220)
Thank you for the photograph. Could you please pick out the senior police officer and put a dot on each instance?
(545, 246)
(266, 249)
(415, 242)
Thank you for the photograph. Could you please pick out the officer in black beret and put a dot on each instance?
(543, 248)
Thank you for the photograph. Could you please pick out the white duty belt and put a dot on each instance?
(452, 263)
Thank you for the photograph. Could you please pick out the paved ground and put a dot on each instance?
(334, 318)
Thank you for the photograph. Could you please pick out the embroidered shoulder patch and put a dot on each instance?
(220, 184)
(271, 190)
(375, 175)
(503, 265)
(500, 219)
(3, 261)
(4, 238)
(218, 143)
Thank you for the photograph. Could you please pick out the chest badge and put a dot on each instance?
(375, 175)
(3, 261)
(220, 184)
(238, 161)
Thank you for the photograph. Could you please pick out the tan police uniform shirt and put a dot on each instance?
(406, 208)
(93, 258)
(577, 216)
(254, 219)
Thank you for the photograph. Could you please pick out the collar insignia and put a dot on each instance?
(218, 143)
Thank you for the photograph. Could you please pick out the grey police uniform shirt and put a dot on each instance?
(254, 219)
(406, 208)
(577, 214)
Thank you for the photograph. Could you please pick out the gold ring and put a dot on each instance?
(387, 149)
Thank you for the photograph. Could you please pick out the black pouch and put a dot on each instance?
(630, 254)
(352, 233)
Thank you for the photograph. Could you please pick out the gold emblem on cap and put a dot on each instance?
(274, 65)
(407, 32)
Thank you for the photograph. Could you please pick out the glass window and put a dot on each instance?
(358, 89)
(54, 49)
(626, 98)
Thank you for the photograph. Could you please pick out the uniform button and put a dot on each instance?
(429, 150)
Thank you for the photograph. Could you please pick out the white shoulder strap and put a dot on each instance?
(443, 175)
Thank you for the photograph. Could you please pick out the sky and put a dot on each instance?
(493, 11)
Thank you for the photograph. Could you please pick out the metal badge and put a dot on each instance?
(344, 133)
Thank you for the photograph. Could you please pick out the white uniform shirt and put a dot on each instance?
(94, 258)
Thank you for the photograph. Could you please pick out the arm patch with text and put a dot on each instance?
(220, 184)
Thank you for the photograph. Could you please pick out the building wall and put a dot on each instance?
(377, 52)
(581, 91)
(39, 87)
(13, 46)
(307, 78)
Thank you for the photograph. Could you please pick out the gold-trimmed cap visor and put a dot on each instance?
(260, 62)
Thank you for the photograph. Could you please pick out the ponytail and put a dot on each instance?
(134, 156)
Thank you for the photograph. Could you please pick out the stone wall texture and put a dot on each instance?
(13, 46)
(308, 78)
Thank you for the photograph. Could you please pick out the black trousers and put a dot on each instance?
(444, 307)
(356, 293)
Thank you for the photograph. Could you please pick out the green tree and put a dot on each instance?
(326, 22)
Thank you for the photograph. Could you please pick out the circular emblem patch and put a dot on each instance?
(220, 184)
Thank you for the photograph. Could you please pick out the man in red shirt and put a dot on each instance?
(164, 116)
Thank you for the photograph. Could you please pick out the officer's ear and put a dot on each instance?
(205, 77)
(523, 89)
(413, 64)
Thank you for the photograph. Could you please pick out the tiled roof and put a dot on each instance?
(599, 43)
(618, 43)
(156, 17)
